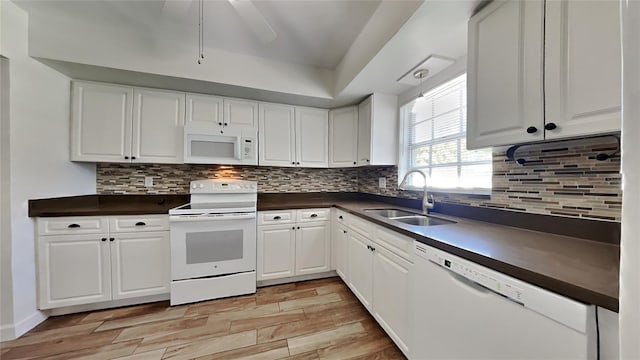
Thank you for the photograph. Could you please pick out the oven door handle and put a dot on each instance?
(209, 217)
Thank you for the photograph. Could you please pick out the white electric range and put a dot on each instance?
(213, 241)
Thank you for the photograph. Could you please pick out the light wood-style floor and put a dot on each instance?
(307, 320)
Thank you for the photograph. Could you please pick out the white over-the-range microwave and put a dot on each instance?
(211, 144)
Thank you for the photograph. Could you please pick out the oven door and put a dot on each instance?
(211, 245)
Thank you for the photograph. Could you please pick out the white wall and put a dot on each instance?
(39, 165)
(630, 242)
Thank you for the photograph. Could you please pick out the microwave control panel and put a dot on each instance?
(248, 148)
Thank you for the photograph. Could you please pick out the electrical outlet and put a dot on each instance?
(382, 182)
(148, 181)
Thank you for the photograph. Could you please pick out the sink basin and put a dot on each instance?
(389, 213)
(421, 220)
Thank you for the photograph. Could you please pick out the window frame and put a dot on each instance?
(404, 150)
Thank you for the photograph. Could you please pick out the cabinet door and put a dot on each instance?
(277, 135)
(276, 251)
(364, 132)
(582, 68)
(340, 253)
(313, 247)
(360, 268)
(343, 137)
(312, 137)
(204, 108)
(73, 270)
(504, 74)
(157, 126)
(101, 122)
(391, 295)
(240, 113)
(140, 264)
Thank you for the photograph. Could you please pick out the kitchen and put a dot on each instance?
(283, 118)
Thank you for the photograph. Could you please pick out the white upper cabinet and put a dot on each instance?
(377, 130)
(276, 135)
(101, 122)
(582, 68)
(204, 108)
(343, 137)
(575, 45)
(157, 126)
(312, 137)
(504, 74)
(293, 136)
(239, 112)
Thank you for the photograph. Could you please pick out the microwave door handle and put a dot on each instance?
(239, 148)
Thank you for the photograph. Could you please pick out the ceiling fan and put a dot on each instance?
(246, 9)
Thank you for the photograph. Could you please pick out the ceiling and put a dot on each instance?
(314, 33)
(327, 53)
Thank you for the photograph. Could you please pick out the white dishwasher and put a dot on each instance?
(461, 310)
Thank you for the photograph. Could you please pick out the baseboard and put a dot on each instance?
(286, 280)
(15, 330)
(107, 304)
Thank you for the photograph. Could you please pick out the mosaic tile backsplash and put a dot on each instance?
(561, 179)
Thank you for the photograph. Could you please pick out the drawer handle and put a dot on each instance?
(314, 215)
(277, 217)
(72, 226)
(140, 223)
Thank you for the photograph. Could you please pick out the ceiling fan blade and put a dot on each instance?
(254, 20)
(176, 9)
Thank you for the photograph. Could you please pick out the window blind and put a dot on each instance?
(435, 141)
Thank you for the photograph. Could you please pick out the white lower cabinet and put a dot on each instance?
(360, 265)
(140, 264)
(391, 294)
(73, 270)
(313, 241)
(377, 272)
(276, 251)
(77, 268)
(291, 244)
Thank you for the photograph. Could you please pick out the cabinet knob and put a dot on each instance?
(226, 124)
(354, 163)
(140, 223)
(103, 239)
(293, 163)
(550, 126)
(220, 123)
(373, 249)
(340, 217)
(112, 239)
(126, 158)
(277, 218)
(72, 226)
(298, 227)
(369, 247)
(344, 231)
(367, 160)
(298, 163)
(293, 228)
(532, 129)
(133, 158)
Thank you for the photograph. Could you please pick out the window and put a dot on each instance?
(434, 141)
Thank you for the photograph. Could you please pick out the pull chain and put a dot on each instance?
(200, 31)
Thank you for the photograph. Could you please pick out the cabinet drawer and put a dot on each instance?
(276, 217)
(399, 244)
(361, 226)
(72, 225)
(135, 223)
(307, 215)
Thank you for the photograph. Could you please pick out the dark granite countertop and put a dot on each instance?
(578, 268)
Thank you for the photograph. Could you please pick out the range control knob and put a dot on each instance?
(201, 186)
(194, 186)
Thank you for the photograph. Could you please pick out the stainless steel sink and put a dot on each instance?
(422, 220)
(389, 213)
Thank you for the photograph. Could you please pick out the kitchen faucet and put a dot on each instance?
(427, 200)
